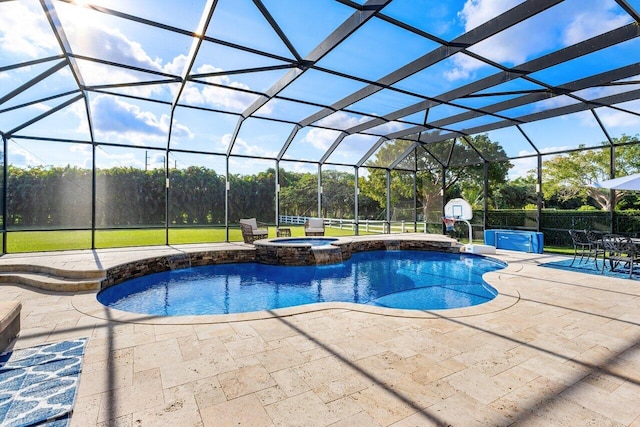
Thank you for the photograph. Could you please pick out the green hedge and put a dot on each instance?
(555, 224)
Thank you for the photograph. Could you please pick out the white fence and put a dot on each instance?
(365, 225)
(292, 220)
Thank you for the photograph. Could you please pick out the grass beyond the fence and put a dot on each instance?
(38, 241)
(558, 250)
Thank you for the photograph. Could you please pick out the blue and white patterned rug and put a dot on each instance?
(38, 385)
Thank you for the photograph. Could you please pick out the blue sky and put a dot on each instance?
(371, 53)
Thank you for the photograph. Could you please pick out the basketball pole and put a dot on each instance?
(470, 230)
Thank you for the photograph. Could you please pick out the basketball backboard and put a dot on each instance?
(458, 209)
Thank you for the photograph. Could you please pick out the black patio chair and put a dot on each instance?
(620, 250)
(581, 246)
(595, 239)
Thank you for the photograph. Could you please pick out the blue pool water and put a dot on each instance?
(318, 241)
(419, 280)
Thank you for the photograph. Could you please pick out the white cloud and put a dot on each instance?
(303, 167)
(224, 141)
(514, 45)
(618, 119)
(219, 97)
(388, 127)
(114, 115)
(178, 130)
(108, 159)
(321, 138)
(463, 68)
(521, 167)
(341, 120)
(476, 12)
(473, 14)
(116, 118)
(243, 147)
(176, 66)
(600, 19)
(40, 107)
(599, 92)
(81, 148)
(109, 44)
(554, 102)
(15, 17)
(22, 158)
(223, 80)
(99, 74)
(80, 111)
(81, 153)
(555, 28)
(354, 146)
(24, 30)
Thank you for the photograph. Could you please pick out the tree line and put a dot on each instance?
(127, 197)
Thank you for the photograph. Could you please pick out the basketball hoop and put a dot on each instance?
(449, 223)
(458, 210)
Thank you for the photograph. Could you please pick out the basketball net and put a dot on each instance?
(449, 223)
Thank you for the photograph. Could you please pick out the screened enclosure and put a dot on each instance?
(128, 123)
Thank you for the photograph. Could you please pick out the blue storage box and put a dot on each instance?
(515, 240)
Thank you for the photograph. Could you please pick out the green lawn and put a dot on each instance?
(36, 241)
(558, 250)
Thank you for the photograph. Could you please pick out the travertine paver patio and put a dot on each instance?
(565, 351)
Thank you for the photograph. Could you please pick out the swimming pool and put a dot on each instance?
(406, 279)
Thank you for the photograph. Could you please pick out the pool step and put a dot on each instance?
(52, 279)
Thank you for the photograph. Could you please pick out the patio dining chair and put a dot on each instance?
(620, 250)
(581, 246)
(597, 249)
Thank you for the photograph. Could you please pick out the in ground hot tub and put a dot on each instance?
(300, 250)
(313, 241)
